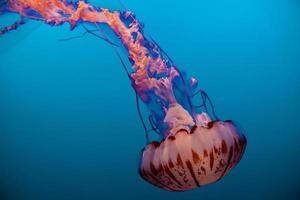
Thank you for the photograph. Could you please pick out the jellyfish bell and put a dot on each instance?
(193, 157)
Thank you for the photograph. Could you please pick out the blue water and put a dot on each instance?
(69, 128)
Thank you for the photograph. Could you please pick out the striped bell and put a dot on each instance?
(193, 158)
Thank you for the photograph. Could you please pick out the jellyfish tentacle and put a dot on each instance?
(205, 98)
(88, 31)
(141, 117)
(153, 124)
(74, 37)
(92, 32)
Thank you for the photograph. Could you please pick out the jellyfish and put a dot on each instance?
(194, 147)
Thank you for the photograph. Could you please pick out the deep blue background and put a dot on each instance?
(68, 123)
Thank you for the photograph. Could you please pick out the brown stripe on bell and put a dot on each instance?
(193, 158)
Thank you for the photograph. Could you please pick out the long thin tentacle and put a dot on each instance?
(141, 117)
(205, 98)
(88, 31)
(153, 124)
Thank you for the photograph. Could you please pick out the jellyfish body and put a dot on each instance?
(196, 148)
(193, 157)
